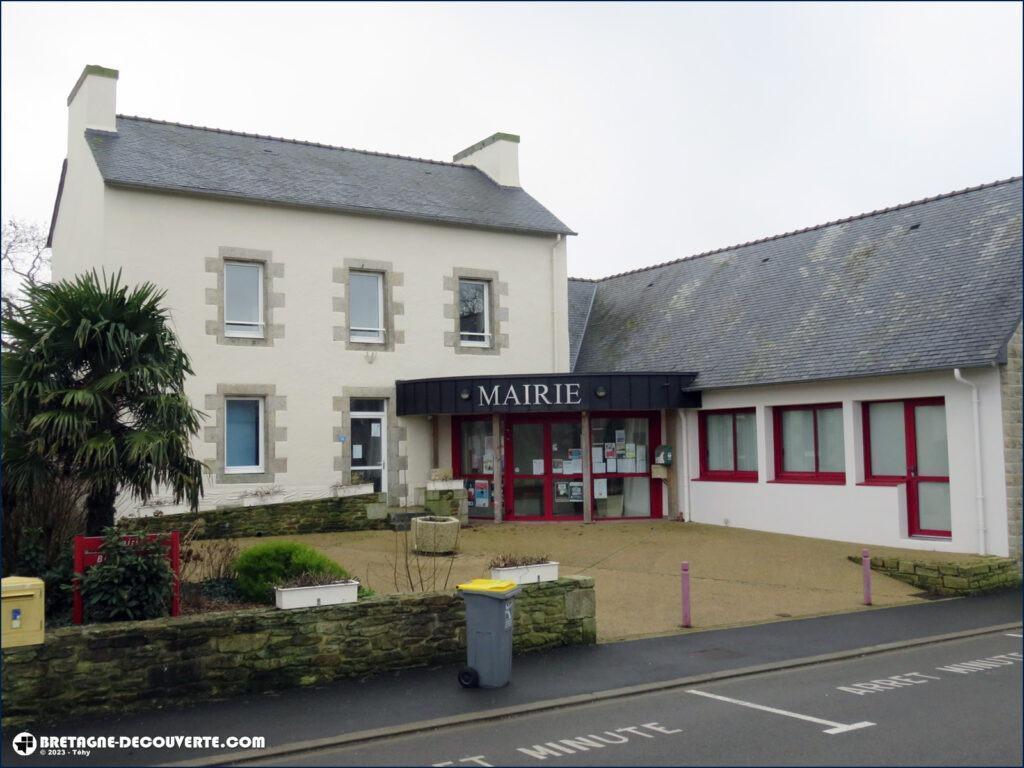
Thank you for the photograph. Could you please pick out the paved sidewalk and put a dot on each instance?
(415, 695)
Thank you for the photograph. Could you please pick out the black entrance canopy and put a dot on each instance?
(546, 393)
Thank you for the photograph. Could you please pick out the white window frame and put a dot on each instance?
(383, 416)
(485, 341)
(380, 330)
(257, 331)
(260, 435)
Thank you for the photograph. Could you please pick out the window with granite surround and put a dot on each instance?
(475, 311)
(244, 297)
(368, 305)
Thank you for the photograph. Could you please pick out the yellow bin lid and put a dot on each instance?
(20, 582)
(488, 585)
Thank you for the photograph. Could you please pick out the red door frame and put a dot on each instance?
(911, 478)
(545, 420)
(457, 469)
(549, 478)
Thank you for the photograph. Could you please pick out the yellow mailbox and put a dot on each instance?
(23, 610)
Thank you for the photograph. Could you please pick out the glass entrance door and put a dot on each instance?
(545, 468)
(906, 443)
(369, 446)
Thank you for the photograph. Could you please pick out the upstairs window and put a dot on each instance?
(366, 307)
(809, 444)
(474, 313)
(243, 299)
(243, 435)
(728, 445)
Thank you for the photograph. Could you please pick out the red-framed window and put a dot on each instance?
(474, 456)
(728, 445)
(809, 444)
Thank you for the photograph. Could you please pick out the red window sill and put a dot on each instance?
(726, 479)
(879, 483)
(809, 480)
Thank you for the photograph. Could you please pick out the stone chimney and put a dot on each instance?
(497, 156)
(92, 102)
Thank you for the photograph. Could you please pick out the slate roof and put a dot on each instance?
(581, 296)
(926, 285)
(151, 154)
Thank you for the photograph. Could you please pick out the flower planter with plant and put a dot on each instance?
(342, 491)
(256, 497)
(524, 569)
(312, 590)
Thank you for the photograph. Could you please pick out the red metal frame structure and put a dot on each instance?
(912, 479)
(734, 475)
(549, 477)
(87, 554)
(817, 477)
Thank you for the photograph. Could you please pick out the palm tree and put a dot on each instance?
(94, 388)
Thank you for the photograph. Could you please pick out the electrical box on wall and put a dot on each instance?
(23, 611)
(663, 455)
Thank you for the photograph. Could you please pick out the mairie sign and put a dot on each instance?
(528, 394)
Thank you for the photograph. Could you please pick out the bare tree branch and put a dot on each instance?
(24, 258)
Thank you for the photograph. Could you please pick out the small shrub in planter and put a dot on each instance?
(524, 569)
(265, 566)
(132, 582)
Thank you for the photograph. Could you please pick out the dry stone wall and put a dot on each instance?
(113, 668)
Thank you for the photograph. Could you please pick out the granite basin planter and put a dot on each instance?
(314, 597)
(434, 535)
(527, 574)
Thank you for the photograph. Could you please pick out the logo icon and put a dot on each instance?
(24, 744)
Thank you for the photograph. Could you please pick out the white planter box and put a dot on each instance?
(527, 574)
(259, 501)
(344, 491)
(313, 597)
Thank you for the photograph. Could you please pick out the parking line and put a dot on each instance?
(1010, 634)
(832, 730)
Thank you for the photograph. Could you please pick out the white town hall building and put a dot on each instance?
(357, 316)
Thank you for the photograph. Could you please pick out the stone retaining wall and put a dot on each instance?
(112, 668)
(950, 579)
(352, 513)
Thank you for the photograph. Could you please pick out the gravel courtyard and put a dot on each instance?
(738, 576)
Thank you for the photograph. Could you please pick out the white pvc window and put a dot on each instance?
(243, 435)
(474, 313)
(243, 299)
(366, 307)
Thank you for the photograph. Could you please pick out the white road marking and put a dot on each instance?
(833, 728)
(1010, 634)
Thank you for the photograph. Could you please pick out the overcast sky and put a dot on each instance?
(655, 131)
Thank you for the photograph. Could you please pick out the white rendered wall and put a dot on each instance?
(166, 239)
(852, 512)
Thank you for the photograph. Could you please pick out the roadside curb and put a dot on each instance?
(373, 734)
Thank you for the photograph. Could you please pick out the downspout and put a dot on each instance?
(684, 455)
(979, 493)
(554, 309)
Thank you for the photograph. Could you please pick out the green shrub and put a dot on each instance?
(133, 581)
(274, 563)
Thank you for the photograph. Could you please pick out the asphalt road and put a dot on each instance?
(908, 707)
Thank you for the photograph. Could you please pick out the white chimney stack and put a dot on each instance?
(92, 102)
(497, 156)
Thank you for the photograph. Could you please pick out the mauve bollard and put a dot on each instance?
(865, 565)
(684, 575)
